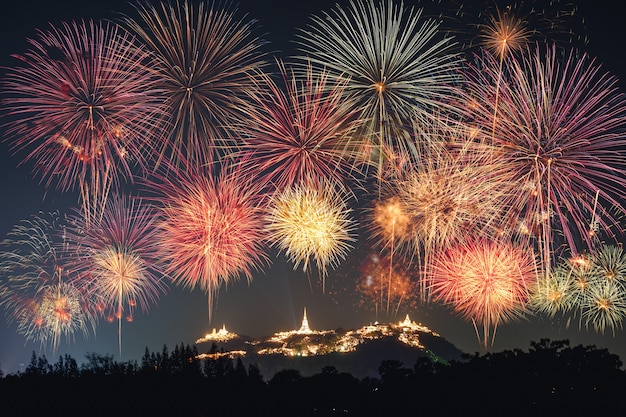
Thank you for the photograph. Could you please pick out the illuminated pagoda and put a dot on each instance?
(304, 328)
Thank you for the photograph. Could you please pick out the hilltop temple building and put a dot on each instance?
(308, 342)
(304, 328)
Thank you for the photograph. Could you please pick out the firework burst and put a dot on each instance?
(56, 314)
(212, 228)
(37, 294)
(555, 293)
(446, 198)
(487, 282)
(509, 29)
(400, 66)
(81, 106)
(301, 132)
(603, 304)
(203, 57)
(115, 256)
(559, 138)
(311, 223)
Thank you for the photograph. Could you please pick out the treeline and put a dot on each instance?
(550, 379)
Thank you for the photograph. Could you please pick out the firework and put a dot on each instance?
(115, 256)
(602, 300)
(400, 67)
(203, 57)
(82, 107)
(212, 228)
(450, 196)
(309, 223)
(487, 282)
(36, 292)
(558, 137)
(609, 264)
(376, 276)
(446, 198)
(57, 313)
(301, 132)
(555, 293)
(604, 306)
(391, 225)
(503, 30)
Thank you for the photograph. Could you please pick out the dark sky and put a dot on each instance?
(274, 300)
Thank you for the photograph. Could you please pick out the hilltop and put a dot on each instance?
(358, 352)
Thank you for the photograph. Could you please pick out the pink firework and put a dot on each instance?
(81, 105)
(212, 228)
(487, 282)
(559, 137)
(115, 256)
(301, 131)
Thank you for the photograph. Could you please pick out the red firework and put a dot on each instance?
(487, 282)
(301, 132)
(82, 107)
(212, 228)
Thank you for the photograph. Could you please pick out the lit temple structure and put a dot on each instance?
(304, 328)
(222, 335)
(308, 342)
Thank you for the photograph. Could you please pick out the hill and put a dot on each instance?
(358, 352)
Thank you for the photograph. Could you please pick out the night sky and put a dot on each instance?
(274, 299)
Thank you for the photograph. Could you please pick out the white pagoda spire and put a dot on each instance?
(305, 324)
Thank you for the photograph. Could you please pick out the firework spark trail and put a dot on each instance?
(212, 227)
(82, 108)
(487, 282)
(311, 223)
(510, 28)
(390, 223)
(115, 256)
(301, 131)
(400, 66)
(36, 292)
(204, 59)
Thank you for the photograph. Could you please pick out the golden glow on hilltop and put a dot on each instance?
(308, 342)
(221, 335)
